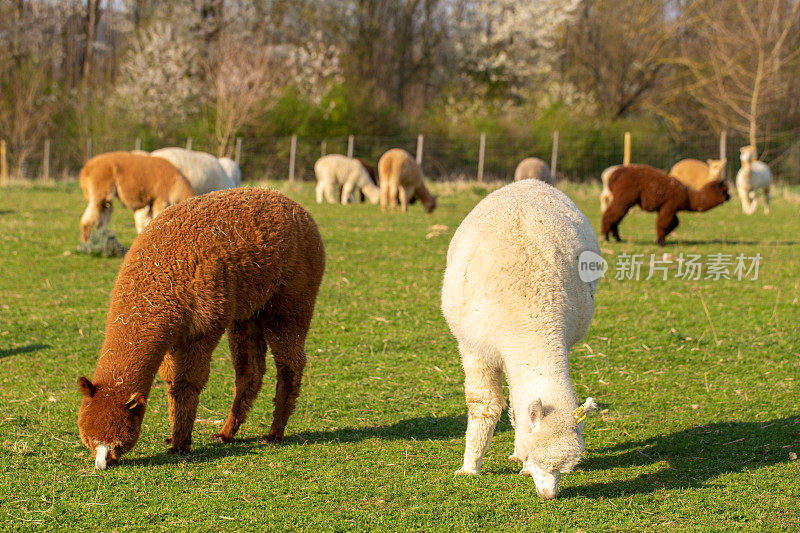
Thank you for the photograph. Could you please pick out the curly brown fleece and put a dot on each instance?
(655, 190)
(249, 261)
(137, 180)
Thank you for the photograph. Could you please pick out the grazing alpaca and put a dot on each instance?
(140, 183)
(534, 168)
(514, 299)
(338, 170)
(655, 190)
(202, 169)
(753, 175)
(695, 174)
(233, 170)
(605, 194)
(248, 261)
(401, 177)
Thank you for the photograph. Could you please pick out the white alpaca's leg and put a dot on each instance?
(743, 196)
(329, 188)
(483, 390)
(141, 218)
(319, 191)
(753, 198)
(347, 192)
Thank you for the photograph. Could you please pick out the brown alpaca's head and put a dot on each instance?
(430, 205)
(713, 194)
(109, 423)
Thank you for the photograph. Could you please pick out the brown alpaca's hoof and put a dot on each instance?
(178, 450)
(222, 439)
(272, 439)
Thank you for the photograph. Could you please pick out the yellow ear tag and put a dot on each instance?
(579, 414)
(131, 403)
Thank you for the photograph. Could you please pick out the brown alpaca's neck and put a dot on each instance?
(700, 201)
(131, 355)
(424, 195)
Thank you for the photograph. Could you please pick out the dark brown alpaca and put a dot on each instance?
(655, 190)
(248, 261)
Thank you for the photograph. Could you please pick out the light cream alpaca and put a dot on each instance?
(335, 170)
(534, 168)
(695, 174)
(400, 176)
(514, 300)
(753, 175)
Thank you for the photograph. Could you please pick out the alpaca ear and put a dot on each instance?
(136, 403)
(588, 407)
(86, 387)
(536, 412)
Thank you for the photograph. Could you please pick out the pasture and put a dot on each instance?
(697, 380)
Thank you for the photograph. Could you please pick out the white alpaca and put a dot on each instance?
(753, 175)
(201, 169)
(232, 170)
(514, 300)
(605, 195)
(534, 168)
(334, 170)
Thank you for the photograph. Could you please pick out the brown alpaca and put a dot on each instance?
(655, 190)
(400, 177)
(137, 180)
(248, 261)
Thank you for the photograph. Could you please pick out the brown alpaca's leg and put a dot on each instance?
(287, 340)
(665, 223)
(167, 373)
(766, 201)
(248, 353)
(612, 216)
(192, 366)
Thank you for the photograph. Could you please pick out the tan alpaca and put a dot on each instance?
(401, 177)
(695, 174)
(246, 261)
(137, 180)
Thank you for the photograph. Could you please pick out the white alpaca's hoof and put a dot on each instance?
(525, 473)
(466, 472)
(514, 459)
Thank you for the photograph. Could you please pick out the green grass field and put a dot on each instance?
(697, 381)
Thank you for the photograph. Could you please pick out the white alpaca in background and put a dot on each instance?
(513, 298)
(336, 170)
(233, 170)
(753, 175)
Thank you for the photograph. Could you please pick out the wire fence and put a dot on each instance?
(580, 157)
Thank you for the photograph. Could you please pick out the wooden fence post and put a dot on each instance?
(420, 145)
(46, 161)
(481, 156)
(138, 144)
(292, 156)
(626, 157)
(237, 155)
(350, 145)
(554, 157)
(723, 144)
(3, 163)
(89, 149)
(323, 149)
(189, 143)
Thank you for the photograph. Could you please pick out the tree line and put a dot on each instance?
(668, 70)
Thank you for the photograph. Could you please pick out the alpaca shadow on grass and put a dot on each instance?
(203, 449)
(422, 428)
(692, 457)
(28, 348)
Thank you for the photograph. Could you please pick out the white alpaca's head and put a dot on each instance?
(747, 154)
(549, 443)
